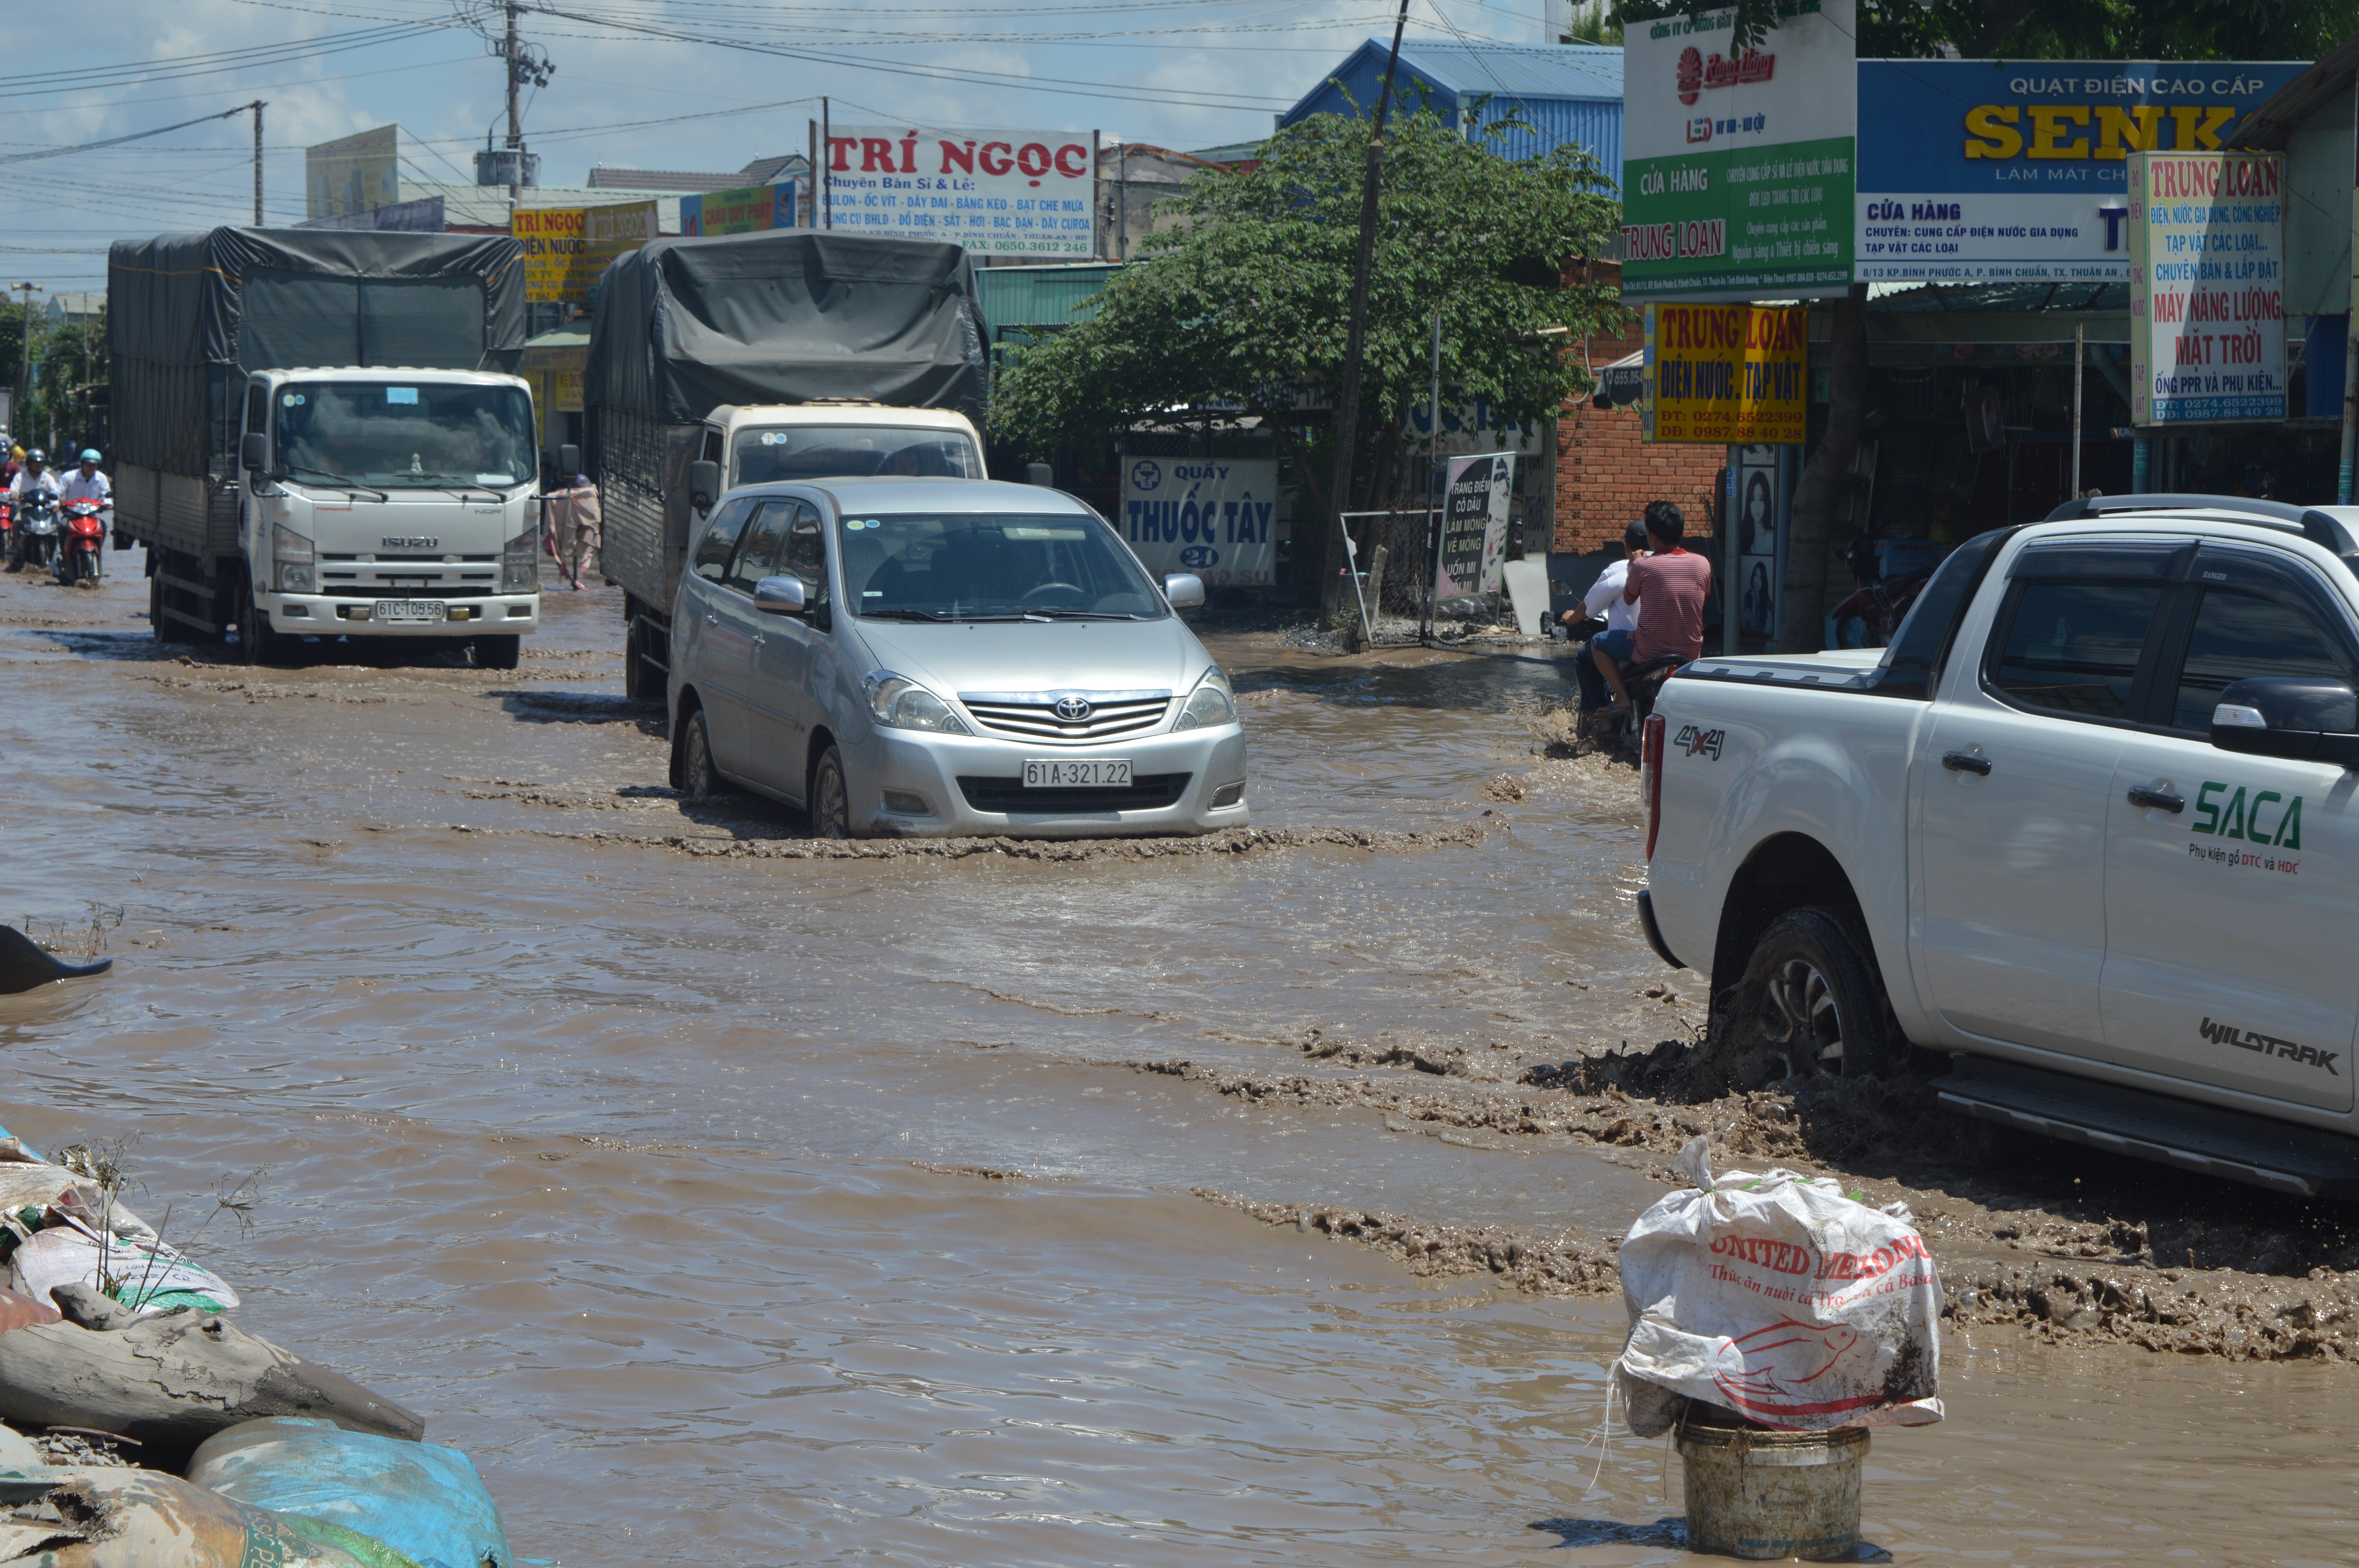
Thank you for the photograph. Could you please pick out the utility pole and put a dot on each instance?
(1347, 405)
(256, 107)
(515, 116)
(22, 418)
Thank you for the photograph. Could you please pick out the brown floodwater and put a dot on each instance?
(662, 1183)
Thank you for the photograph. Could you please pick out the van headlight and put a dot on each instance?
(290, 559)
(899, 703)
(1213, 702)
(521, 563)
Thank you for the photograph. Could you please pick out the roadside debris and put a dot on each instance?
(25, 964)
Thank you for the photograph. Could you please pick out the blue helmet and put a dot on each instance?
(90, 454)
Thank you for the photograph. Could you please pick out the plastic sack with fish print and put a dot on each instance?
(1779, 1298)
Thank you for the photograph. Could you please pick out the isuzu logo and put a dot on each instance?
(411, 542)
(1073, 709)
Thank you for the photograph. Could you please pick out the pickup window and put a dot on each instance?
(2072, 648)
(2253, 616)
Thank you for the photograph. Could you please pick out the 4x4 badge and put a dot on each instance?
(1703, 742)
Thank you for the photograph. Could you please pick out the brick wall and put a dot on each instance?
(1606, 474)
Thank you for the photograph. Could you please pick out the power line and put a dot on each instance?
(118, 141)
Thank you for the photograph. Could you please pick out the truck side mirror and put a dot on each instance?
(568, 462)
(2304, 717)
(1184, 590)
(254, 452)
(704, 482)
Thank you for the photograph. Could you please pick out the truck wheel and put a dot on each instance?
(693, 773)
(831, 803)
(496, 653)
(158, 625)
(261, 644)
(1811, 998)
(634, 668)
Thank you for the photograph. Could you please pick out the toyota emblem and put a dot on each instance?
(1073, 709)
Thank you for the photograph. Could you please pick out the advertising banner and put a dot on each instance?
(1990, 171)
(354, 174)
(1737, 163)
(2207, 290)
(745, 212)
(1008, 194)
(1474, 523)
(1726, 375)
(1212, 516)
(608, 233)
(565, 248)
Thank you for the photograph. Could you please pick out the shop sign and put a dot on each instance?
(1212, 516)
(1008, 193)
(1737, 162)
(1474, 523)
(1987, 171)
(1726, 375)
(2207, 290)
(566, 248)
(752, 209)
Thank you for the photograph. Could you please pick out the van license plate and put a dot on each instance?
(1096, 772)
(424, 610)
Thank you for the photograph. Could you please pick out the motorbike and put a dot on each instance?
(34, 532)
(8, 532)
(82, 545)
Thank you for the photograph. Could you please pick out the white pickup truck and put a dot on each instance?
(2089, 826)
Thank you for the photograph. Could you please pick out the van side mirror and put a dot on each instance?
(704, 482)
(2303, 718)
(254, 452)
(568, 462)
(779, 596)
(1184, 590)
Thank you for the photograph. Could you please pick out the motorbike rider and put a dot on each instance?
(34, 478)
(87, 484)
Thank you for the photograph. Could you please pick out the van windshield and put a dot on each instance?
(403, 434)
(991, 566)
(848, 451)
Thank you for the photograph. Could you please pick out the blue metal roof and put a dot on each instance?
(1568, 93)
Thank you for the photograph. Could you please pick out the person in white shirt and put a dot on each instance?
(34, 477)
(86, 483)
(1605, 599)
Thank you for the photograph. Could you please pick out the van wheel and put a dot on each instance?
(496, 653)
(1810, 1001)
(831, 803)
(693, 771)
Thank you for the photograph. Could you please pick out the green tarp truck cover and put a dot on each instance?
(189, 316)
(686, 325)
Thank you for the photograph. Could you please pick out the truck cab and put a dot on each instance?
(785, 443)
(391, 503)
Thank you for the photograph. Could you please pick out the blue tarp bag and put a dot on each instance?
(427, 1503)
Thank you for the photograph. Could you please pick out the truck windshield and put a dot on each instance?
(845, 452)
(991, 566)
(404, 434)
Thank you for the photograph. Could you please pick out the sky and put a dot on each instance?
(640, 83)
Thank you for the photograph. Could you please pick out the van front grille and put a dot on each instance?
(1101, 716)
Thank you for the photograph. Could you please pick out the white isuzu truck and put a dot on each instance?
(317, 435)
(2089, 828)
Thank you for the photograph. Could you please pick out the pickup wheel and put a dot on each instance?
(1811, 998)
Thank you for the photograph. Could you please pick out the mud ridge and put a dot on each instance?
(1227, 841)
(1532, 1262)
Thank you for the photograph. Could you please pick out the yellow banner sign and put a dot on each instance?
(1727, 375)
(565, 248)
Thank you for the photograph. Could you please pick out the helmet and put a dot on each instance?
(37, 456)
(90, 454)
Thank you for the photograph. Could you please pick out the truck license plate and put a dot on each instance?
(1096, 772)
(422, 609)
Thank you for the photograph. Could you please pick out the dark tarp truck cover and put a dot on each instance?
(190, 315)
(686, 325)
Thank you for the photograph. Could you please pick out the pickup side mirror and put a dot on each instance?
(779, 596)
(568, 462)
(704, 482)
(254, 452)
(1184, 590)
(2304, 717)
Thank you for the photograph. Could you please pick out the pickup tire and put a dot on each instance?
(1811, 998)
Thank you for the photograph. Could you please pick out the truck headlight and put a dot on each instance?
(1213, 702)
(521, 563)
(900, 703)
(290, 559)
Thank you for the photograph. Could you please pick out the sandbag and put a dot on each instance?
(423, 1501)
(146, 1273)
(110, 1518)
(1780, 1299)
(169, 1382)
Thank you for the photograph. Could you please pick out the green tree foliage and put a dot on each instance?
(2064, 29)
(1246, 300)
(69, 357)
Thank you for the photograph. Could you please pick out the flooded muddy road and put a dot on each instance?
(734, 1203)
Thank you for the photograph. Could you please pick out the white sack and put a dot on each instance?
(1779, 1298)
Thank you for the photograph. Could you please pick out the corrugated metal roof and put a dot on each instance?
(1568, 93)
(1022, 297)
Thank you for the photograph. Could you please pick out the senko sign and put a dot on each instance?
(1992, 171)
